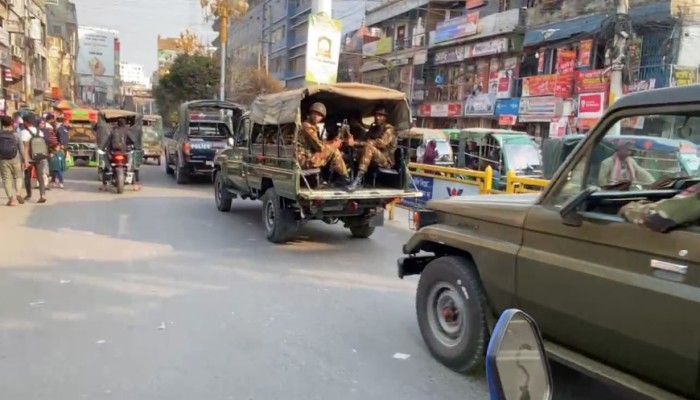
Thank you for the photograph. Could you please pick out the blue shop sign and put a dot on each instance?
(507, 107)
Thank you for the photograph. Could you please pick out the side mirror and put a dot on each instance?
(569, 211)
(516, 364)
(231, 142)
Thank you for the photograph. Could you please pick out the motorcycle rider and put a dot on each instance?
(117, 141)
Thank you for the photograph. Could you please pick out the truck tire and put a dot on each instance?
(168, 170)
(279, 222)
(451, 309)
(180, 174)
(222, 197)
(361, 231)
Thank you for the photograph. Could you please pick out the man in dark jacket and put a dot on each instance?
(62, 131)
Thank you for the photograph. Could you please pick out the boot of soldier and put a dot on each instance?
(342, 181)
(357, 183)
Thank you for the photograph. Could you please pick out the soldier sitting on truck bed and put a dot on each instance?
(313, 153)
(379, 149)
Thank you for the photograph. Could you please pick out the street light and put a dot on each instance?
(224, 10)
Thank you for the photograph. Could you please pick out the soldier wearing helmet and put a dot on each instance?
(378, 151)
(312, 152)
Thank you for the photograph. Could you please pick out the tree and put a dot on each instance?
(248, 83)
(191, 77)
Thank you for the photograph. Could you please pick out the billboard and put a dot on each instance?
(96, 52)
(322, 49)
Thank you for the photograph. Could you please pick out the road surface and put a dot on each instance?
(157, 295)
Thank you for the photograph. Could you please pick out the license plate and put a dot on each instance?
(210, 163)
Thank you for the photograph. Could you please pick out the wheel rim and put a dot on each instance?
(269, 216)
(447, 314)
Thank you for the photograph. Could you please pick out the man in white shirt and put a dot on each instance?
(41, 166)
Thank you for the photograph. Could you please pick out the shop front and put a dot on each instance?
(545, 116)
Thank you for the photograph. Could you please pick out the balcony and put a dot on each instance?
(445, 93)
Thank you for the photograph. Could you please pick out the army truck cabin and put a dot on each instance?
(262, 161)
(615, 291)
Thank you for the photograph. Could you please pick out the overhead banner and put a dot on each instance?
(96, 52)
(323, 49)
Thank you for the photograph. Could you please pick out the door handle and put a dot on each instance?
(669, 267)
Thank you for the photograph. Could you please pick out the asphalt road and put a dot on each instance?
(157, 295)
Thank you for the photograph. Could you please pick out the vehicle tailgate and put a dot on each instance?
(204, 149)
(340, 194)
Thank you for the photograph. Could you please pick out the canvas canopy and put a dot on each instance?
(290, 106)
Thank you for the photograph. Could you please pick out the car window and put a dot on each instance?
(636, 152)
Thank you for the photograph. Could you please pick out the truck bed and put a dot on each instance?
(368, 193)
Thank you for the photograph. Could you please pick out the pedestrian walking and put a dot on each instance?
(57, 166)
(13, 158)
(38, 153)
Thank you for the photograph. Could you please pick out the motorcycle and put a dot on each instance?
(121, 171)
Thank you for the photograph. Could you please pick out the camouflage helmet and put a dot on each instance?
(319, 108)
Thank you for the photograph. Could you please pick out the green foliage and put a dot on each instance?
(191, 77)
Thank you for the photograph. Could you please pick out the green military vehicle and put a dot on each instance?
(613, 299)
(261, 161)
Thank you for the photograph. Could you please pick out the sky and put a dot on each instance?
(140, 22)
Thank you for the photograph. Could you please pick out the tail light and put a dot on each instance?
(423, 218)
(119, 157)
(186, 147)
(353, 206)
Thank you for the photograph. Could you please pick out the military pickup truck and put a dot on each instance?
(203, 128)
(614, 299)
(261, 162)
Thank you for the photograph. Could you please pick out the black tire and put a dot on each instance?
(222, 197)
(280, 224)
(180, 174)
(119, 177)
(361, 231)
(168, 170)
(460, 345)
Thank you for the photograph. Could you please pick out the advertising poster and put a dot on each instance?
(585, 50)
(683, 76)
(592, 81)
(464, 25)
(323, 49)
(425, 185)
(95, 53)
(540, 85)
(591, 105)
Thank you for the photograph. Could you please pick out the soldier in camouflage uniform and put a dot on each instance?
(379, 151)
(313, 153)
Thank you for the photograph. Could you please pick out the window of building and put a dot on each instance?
(278, 34)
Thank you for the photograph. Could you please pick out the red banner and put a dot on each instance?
(565, 61)
(540, 85)
(592, 81)
(585, 50)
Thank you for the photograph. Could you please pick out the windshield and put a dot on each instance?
(215, 129)
(691, 163)
(523, 158)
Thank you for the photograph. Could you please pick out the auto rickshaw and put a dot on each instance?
(416, 140)
(82, 142)
(134, 121)
(503, 150)
(152, 136)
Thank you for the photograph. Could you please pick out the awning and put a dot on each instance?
(565, 29)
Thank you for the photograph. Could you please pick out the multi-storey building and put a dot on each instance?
(132, 73)
(62, 44)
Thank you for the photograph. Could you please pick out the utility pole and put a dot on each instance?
(623, 32)
(223, 10)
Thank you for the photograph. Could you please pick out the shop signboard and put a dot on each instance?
(640, 86)
(491, 47)
(440, 110)
(683, 76)
(592, 81)
(464, 25)
(479, 104)
(539, 109)
(507, 120)
(452, 55)
(507, 107)
(539, 85)
(591, 105)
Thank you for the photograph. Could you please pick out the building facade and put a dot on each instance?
(132, 73)
(62, 45)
